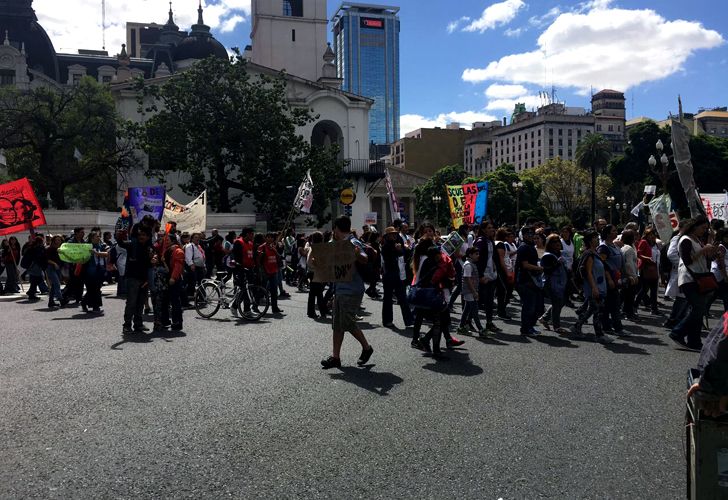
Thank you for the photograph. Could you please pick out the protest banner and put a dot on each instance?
(370, 218)
(333, 262)
(75, 253)
(394, 205)
(191, 217)
(145, 201)
(19, 208)
(124, 222)
(468, 203)
(304, 197)
(660, 208)
(715, 205)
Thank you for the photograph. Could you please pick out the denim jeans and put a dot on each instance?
(594, 308)
(531, 306)
(470, 313)
(691, 325)
(135, 299)
(54, 276)
(394, 286)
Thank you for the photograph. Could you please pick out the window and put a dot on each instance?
(599, 128)
(568, 132)
(539, 152)
(569, 142)
(106, 79)
(532, 134)
(551, 142)
(551, 153)
(551, 131)
(578, 133)
(293, 8)
(561, 142)
(569, 153)
(293, 35)
(77, 78)
(539, 132)
(611, 128)
(561, 131)
(561, 153)
(7, 77)
(539, 143)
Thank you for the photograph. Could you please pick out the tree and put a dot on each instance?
(564, 184)
(426, 208)
(67, 141)
(593, 153)
(230, 130)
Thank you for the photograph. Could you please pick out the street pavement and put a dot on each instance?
(243, 410)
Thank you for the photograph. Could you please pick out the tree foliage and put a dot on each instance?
(565, 185)
(44, 130)
(234, 134)
(427, 209)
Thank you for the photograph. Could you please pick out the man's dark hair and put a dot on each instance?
(246, 231)
(589, 236)
(144, 229)
(343, 224)
(606, 231)
(470, 251)
(77, 230)
(528, 229)
(628, 237)
(397, 224)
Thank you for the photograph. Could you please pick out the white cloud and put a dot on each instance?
(514, 32)
(230, 23)
(500, 91)
(454, 25)
(604, 48)
(497, 14)
(76, 24)
(544, 19)
(531, 102)
(408, 123)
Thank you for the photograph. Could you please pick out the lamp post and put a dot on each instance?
(663, 173)
(610, 201)
(436, 199)
(518, 186)
(620, 207)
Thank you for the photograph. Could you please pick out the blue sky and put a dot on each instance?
(466, 60)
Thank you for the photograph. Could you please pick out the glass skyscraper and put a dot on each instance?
(366, 42)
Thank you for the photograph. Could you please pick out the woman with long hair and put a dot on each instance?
(555, 281)
(694, 257)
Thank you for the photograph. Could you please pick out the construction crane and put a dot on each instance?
(103, 24)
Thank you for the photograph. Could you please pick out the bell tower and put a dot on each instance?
(290, 35)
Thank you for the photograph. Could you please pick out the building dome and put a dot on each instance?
(18, 20)
(200, 44)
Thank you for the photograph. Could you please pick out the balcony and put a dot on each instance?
(370, 170)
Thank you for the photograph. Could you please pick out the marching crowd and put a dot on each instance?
(488, 272)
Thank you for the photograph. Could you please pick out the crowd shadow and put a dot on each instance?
(622, 348)
(458, 362)
(377, 382)
(553, 341)
(513, 337)
(80, 315)
(167, 336)
(489, 340)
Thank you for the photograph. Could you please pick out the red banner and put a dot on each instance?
(19, 208)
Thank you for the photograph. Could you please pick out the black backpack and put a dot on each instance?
(665, 264)
(580, 269)
(368, 271)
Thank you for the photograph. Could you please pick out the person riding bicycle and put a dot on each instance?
(243, 255)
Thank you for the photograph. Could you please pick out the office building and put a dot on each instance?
(709, 121)
(478, 150)
(366, 43)
(609, 114)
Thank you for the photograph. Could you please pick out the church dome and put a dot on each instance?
(200, 44)
(18, 19)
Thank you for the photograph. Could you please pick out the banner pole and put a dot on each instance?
(17, 271)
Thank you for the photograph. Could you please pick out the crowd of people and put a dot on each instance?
(489, 273)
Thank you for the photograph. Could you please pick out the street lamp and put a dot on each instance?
(518, 186)
(610, 201)
(436, 199)
(620, 207)
(664, 174)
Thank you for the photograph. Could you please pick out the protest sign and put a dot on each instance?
(145, 201)
(370, 218)
(333, 262)
(124, 222)
(191, 218)
(304, 197)
(19, 208)
(468, 203)
(715, 206)
(75, 253)
(660, 208)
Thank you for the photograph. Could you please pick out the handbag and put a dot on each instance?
(706, 281)
(429, 298)
(649, 271)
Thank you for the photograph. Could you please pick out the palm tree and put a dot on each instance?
(593, 153)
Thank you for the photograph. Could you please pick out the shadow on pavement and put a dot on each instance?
(552, 341)
(82, 315)
(377, 382)
(509, 337)
(619, 348)
(640, 339)
(458, 363)
(489, 340)
(147, 338)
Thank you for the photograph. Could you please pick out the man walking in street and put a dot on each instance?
(138, 262)
(347, 299)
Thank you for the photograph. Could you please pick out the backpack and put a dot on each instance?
(27, 260)
(580, 274)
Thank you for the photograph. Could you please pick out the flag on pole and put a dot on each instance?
(304, 198)
(393, 201)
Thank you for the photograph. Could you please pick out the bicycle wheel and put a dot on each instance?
(207, 300)
(259, 303)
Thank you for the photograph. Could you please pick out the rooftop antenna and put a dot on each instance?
(103, 24)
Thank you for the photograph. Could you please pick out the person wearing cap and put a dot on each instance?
(393, 278)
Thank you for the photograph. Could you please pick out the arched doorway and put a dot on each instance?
(327, 133)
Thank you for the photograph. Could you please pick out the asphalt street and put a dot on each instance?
(243, 410)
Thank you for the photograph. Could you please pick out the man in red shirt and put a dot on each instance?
(176, 263)
(243, 255)
(268, 260)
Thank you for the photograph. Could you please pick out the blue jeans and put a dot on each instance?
(691, 325)
(531, 306)
(54, 275)
(470, 313)
(394, 286)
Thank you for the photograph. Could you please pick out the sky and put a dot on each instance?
(472, 60)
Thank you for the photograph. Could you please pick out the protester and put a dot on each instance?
(594, 289)
(680, 304)
(470, 287)
(693, 264)
(174, 259)
(392, 279)
(555, 282)
(243, 258)
(269, 262)
(94, 271)
(347, 299)
(613, 261)
(630, 278)
(11, 258)
(315, 289)
(648, 264)
(504, 269)
(34, 261)
(530, 283)
(718, 267)
(53, 271)
(487, 271)
(195, 263)
(138, 263)
(74, 286)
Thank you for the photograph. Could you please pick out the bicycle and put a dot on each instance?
(213, 294)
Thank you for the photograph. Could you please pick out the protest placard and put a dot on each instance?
(468, 203)
(147, 201)
(19, 207)
(191, 218)
(75, 253)
(333, 262)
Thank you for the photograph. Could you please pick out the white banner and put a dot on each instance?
(304, 198)
(715, 205)
(660, 209)
(393, 201)
(191, 218)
